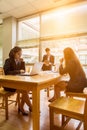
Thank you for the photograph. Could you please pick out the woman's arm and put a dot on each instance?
(62, 70)
(68, 68)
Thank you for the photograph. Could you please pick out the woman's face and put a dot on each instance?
(18, 55)
(48, 53)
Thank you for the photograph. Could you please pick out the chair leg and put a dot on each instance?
(48, 92)
(6, 107)
(85, 125)
(3, 100)
(63, 119)
(51, 119)
(18, 99)
(78, 127)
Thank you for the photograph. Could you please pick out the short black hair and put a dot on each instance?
(47, 49)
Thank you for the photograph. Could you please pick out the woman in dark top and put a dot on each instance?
(77, 75)
(15, 65)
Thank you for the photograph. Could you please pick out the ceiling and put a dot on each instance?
(22, 8)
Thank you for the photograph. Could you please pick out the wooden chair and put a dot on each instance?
(5, 101)
(48, 90)
(70, 108)
(1, 71)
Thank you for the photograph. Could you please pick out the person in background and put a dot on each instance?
(48, 60)
(15, 65)
(73, 68)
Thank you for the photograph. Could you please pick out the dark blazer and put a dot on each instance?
(51, 60)
(11, 68)
(77, 75)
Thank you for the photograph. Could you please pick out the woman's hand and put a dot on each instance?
(22, 71)
(46, 63)
(61, 60)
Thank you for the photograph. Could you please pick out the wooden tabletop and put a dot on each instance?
(37, 80)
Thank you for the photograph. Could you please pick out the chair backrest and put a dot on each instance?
(1, 71)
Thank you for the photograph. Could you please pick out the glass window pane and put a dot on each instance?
(30, 50)
(29, 28)
(79, 44)
(30, 55)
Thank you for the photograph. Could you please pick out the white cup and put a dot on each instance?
(28, 69)
(55, 68)
(85, 90)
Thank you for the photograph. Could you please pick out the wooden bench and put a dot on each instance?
(69, 108)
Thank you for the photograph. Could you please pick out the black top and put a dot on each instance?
(77, 75)
(11, 68)
(51, 60)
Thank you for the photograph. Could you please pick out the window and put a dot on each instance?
(29, 29)
(30, 50)
(79, 45)
(28, 36)
(56, 29)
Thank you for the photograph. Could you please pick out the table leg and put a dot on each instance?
(36, 108)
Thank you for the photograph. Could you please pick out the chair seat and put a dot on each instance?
(69, 104)
(74, 105)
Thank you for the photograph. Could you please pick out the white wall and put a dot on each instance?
(1, 29)
(9, 35)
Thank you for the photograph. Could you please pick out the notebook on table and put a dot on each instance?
(35, 69)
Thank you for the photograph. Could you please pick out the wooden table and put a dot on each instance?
(33, 83)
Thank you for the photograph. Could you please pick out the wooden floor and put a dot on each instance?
(19, 122)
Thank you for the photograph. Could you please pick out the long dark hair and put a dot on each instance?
(13, 51)
(70, 55)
